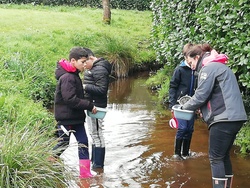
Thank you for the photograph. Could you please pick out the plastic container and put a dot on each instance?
(100, 114)
(182, 114)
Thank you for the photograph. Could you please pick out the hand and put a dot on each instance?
(84, 86)
(198, 112)
(94, 110)
(172, 113)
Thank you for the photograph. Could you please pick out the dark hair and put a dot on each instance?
(90, 53)
(77, 53)
(199, 49)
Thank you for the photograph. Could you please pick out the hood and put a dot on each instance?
(184, 64)
(209, 57)
(104, 63)
(215, 57)
(63, 66)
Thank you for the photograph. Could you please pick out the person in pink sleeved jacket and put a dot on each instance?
(70, 105)
(219, 99)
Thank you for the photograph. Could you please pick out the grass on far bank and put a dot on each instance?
(45, 34)
(41, 35)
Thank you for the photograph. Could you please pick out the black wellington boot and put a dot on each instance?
(99, 156)
(177, 150)
(185, 148)
(93, 153)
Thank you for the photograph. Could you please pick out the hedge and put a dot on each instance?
(115, 4)
(223, 24)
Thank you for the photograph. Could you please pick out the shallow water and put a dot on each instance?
(140, 143)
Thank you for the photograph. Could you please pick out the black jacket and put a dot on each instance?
(69, 98)
(180, 83)
(96, 81)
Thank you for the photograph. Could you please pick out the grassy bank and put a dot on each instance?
(32, 39)
(45, 34)
(35, 37)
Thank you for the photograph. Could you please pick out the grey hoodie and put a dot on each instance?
(217, 94)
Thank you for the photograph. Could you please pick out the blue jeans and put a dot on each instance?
(81, 137)
(221, 139)
(185, 129)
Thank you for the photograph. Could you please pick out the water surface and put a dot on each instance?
(140, 143)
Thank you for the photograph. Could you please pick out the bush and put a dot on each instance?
(223, 24)
(243, 140)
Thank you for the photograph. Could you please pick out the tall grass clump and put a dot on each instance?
(23, 161)
(119, 52)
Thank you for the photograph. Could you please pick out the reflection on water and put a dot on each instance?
(139, 146)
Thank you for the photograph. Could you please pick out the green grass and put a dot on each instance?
(33, 39)
(46, 34)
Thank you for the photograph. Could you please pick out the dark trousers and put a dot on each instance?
(221, 139)
(185, 129)
(81, 137)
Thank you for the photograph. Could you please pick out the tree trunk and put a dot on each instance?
(106, 11)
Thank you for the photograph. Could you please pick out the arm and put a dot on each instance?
(173, 87)
(204, 89)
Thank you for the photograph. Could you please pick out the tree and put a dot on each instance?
(106, 11)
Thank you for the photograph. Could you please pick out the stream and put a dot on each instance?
(140, 144)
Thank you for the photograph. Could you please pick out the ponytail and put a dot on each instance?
(199, 49)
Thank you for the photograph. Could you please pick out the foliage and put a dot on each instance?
(115, 4)
(223, 24)
(23, 158)
(31, 77)
(160, 82)
(243, 140)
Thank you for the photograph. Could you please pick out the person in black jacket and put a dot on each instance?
(70, 105)
(181, 84)
(95, 84)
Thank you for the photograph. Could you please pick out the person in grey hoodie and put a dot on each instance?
(219, 100)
